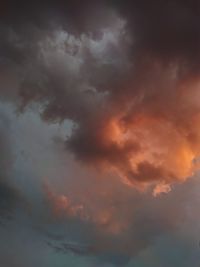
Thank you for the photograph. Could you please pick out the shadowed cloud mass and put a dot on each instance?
(104, 97)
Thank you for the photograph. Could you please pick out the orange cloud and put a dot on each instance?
(105, 218)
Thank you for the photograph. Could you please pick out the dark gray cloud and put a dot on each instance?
(10, 197)
(133, 76)
(125, 74)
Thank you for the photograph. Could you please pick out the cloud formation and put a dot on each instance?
(126, 76)
(131, 90)
(10, 197)
(140, 220)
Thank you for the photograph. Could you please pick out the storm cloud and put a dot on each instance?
(129, 84)
(124, 77)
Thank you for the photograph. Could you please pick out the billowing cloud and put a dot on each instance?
(125, 76)
(134, 111)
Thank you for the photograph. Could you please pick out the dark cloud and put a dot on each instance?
(166, 28)
(128, 91)
(10, 197)
(125, 73)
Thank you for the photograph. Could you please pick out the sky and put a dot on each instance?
(99, 133)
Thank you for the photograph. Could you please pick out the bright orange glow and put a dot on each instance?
(165, 153)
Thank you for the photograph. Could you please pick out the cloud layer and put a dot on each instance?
(127, 82)
(123, 79)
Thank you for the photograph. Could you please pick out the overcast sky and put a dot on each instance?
(99, 133)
